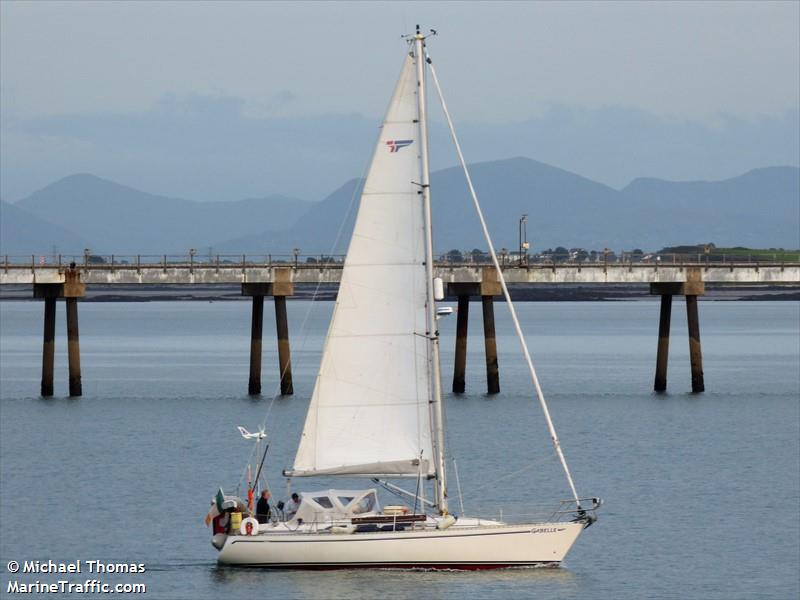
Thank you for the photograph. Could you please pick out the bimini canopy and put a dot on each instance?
(332, 505)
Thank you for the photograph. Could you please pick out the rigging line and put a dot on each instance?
(303, 326)
(458, 483)
(502, 280)
(314, 295)
(261, 465)
(419, 500)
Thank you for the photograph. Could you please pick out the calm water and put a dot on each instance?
(701, 491)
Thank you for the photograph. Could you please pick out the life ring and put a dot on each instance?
(249, 526)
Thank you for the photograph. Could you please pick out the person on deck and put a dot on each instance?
(263, 511)
(220, 523)
(291, 506)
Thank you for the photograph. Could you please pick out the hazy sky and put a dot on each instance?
(499, 62)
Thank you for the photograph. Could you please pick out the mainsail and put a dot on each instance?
(370, 410)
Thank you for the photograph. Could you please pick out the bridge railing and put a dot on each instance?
(148, 261)
(100, 261)
(653, 259)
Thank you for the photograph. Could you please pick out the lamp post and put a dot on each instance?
(296, 252)
(86, 254)
(192, 252)
(523, 238)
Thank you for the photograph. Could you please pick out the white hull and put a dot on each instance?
(482, 547)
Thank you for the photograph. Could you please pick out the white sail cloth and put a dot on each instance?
(370, 410)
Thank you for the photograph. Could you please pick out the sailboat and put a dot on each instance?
(376, 411)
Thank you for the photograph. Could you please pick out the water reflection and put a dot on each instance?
(356, 584)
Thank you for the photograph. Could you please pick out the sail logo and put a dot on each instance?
(395, 145)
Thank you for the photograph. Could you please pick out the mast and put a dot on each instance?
(433, 331)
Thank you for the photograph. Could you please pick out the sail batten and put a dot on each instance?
(369, 413)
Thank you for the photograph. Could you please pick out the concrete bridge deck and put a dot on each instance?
(252, 271)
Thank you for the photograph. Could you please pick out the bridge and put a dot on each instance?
(259, 276)
(240, 269)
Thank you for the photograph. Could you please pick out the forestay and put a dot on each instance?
(370, 410)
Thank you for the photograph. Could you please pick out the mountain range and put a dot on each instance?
(760, 208)
(110, 218)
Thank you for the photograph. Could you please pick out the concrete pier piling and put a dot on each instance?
(490, 343)
(73, 348)
(279, 288)
(48, 346)
(695, 352)
(256, 330)
(284, 353)
(70, 289)
(462, 326)
(487, 288)
(691, 289)
(662, 356)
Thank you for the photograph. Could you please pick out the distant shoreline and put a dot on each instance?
(521, 293)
